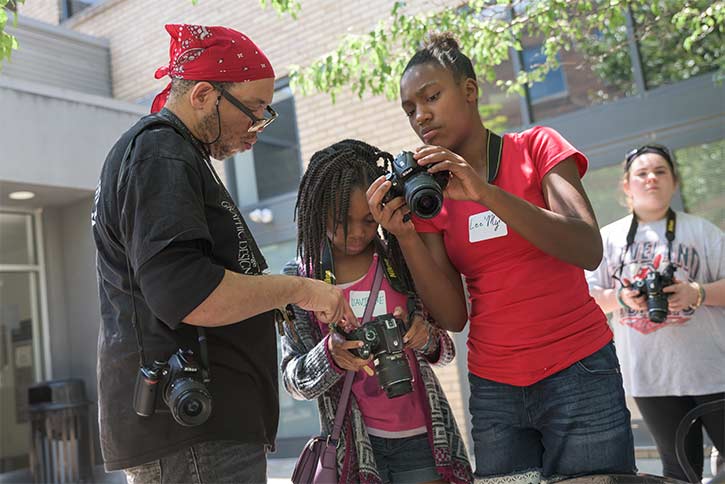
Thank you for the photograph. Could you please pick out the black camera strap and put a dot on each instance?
(494, 148)
(634, 225)
(151, 122)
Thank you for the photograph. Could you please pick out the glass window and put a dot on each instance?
(702, 171)
(603, 189)
(552, 85)
(18, 310)
(595, 71)
(20, 359)
(73, 7)
(664, 59)
(274, 166)
(16, 239)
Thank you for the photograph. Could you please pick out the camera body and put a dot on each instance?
(423, 191)
(383, 339)
(652, 286)
(181, 382)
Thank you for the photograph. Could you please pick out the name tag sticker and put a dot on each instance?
(359, 299)
(484, 226)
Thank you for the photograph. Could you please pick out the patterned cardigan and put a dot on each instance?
(307, 374)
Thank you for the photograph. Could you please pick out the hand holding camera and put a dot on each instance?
(382, 339)
(340, 351)
(652, 287)
(682, 295)
(464, 183)
(633, 298)
(408, 188)
(419, 333)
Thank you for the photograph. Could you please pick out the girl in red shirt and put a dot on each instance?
(546, 392)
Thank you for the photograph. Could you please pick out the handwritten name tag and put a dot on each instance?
(359, 299)
(484, 226)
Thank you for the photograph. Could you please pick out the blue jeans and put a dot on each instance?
(406, 460)
(572, 423)
(205, 463)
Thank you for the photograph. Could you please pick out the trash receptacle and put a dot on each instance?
(60, 448)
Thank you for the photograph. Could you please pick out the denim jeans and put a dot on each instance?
(406, 460)
(572, 423)
(205, 463)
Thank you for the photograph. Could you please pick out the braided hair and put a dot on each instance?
(333, 173)
(442, 49)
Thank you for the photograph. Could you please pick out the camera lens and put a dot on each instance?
(192, 407)
(426, 203)
(189, 401)
(394, 374)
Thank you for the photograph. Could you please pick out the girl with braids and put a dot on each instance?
(412, 438)
(546, 392)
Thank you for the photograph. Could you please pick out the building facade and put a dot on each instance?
(84, 73)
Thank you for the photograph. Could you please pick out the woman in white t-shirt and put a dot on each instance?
(671, 347)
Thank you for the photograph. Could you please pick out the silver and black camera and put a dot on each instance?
(181, 381)
(382, 338)
(423, 191)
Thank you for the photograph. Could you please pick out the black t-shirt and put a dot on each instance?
(182, 230)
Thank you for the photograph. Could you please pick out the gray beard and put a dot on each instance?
(209, 128)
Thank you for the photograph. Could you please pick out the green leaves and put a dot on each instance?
(8, 42)
(291, 7)
(489, 31)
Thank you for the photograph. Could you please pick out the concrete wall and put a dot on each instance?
(74, 315)
(58, 137)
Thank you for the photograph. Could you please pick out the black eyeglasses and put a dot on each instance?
(257, 123)
(651, 148)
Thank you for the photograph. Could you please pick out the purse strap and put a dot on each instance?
(350, 376)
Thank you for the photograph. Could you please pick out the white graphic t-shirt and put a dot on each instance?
(685, 354)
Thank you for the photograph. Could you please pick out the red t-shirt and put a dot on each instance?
(531, 313)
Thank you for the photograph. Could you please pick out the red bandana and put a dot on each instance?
(202, 53)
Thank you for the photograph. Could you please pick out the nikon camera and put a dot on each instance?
(181, 382)
(651, 286)
(423, 191)
(383, 339)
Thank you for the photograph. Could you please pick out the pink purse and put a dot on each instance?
(317, 464)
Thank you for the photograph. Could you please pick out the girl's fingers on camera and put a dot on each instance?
(394, 205)
(400, 313)
(374, 186)
(377, 190)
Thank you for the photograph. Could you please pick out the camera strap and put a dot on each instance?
(151, 122)
(494, 148)
(350, 375)
(669, 235)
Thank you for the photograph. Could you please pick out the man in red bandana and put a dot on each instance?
(187, 364)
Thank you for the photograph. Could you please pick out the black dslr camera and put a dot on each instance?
(423, 191)
(383, 339)
(181, 381)
(651, 286)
